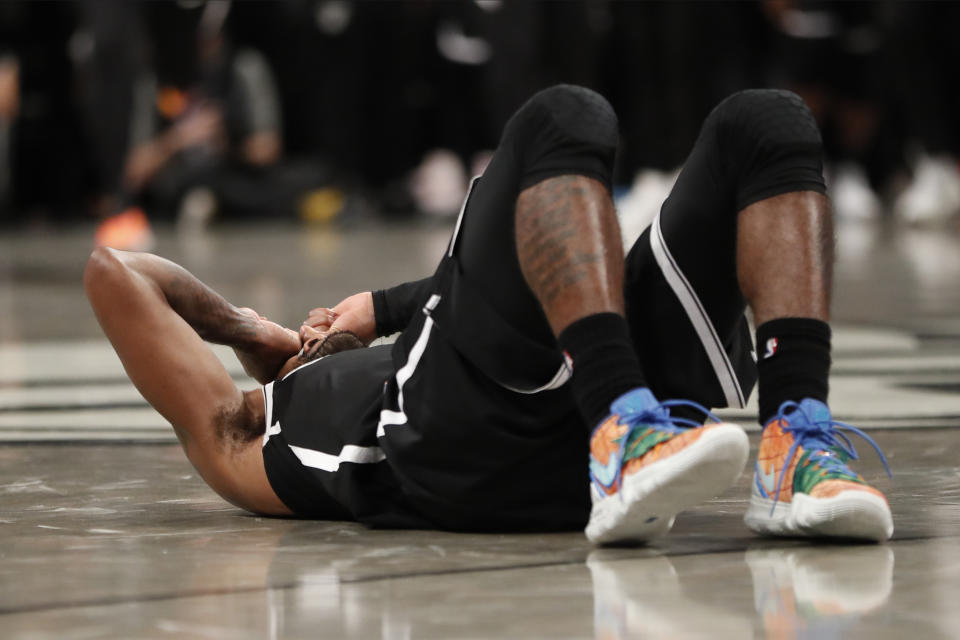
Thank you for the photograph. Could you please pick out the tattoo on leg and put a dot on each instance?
(569, 247)
(828, 245)
(547, 227)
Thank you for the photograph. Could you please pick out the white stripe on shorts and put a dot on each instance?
(698, 317)
(330, 462)
(560, 378)
(268, 413)
(405, 372)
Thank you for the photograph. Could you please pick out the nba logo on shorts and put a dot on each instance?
(771, 348)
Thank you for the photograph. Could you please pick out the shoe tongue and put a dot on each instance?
(815, 410)
(634, 400)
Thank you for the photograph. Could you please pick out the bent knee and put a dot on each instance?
(107, 268)
(102, 261)
(577, 112)
(763, 143)
(563, 129)
(764, 120)
(104, 277)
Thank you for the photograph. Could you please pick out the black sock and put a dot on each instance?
(604, 363)
(793, 362)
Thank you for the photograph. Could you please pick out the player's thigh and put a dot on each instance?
(485, 247)
(682, 297)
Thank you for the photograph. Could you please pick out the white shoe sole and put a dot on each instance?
(649, 500)
(849, 514)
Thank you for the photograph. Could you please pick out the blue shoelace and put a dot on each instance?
(820, 434)
(636, 416)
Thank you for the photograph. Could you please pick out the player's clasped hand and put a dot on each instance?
(320, 319)
(354, 313)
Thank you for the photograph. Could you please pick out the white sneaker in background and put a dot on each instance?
(197, 209)
(934, 194)
(439, 184)
(853, 198)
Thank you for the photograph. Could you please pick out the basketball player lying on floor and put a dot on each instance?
(524, 390)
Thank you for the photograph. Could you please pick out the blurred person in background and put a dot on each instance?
(110, 47)
(490, 56)
(205, 131)
(669, 63)
(9, 105)
(364, 90)
(117, 106)
(409, 97)
(44, 167)
(925, 75)
(836, 55)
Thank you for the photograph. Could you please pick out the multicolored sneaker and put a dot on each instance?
(646, 466)
(803, 486)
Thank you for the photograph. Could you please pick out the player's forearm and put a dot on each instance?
(394, 308)
(146, 160)
(205, 310)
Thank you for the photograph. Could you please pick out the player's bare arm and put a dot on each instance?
(263, 347)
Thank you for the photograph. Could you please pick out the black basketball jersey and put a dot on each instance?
(340, 393)
(320, 447)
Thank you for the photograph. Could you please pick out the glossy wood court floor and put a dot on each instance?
(106, 531)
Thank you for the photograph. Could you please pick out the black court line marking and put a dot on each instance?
(838, 371)
(886, 418)
(951, 387)
(927, 336)
(151, 440)
(866, 353)
(35, 408)
(150, 597)
(158, 436)
(745, 544)
(119, 381)
(914, 422)
(62, 382)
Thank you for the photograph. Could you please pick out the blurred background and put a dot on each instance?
(127, 116)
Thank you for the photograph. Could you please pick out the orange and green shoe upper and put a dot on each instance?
(638, 432)
(801, 451)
